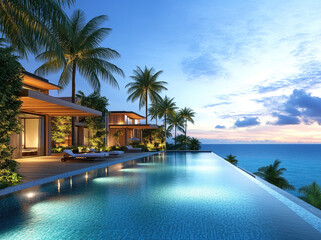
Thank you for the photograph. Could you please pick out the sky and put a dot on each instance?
(250, 69)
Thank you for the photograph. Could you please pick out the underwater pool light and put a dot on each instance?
(30, 194)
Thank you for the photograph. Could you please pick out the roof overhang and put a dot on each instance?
(134, 126)
(38, 103)
(130, 114)
(38, 82)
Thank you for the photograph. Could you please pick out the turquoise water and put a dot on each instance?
(173, 196)
(302, 161)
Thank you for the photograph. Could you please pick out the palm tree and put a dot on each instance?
(177, 122)
(153, 111)
(311, 194)
(79, 42)
(25, 24)
(144, 86)
(194, 144)
(188, 114)
(272, 173)
(166, 107)
(182, 141)
(231, 159)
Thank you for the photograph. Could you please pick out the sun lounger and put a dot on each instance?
(116, 153)
(131, 149)
(68, 154)
(111, 153)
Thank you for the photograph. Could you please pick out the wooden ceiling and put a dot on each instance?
(38, 103)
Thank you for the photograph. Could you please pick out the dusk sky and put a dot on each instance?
(251, 70)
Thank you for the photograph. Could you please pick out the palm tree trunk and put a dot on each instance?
(165, 131)
(185, 134)
(175, 137)
(146, 107)
(73, 99)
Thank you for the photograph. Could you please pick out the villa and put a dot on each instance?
(129, 123)
(38, 107)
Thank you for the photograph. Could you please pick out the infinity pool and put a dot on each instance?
(165, 196)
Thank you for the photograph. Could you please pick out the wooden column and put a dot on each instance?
(47, 134)
(126, 136)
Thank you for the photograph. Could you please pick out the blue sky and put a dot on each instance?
(249, 69)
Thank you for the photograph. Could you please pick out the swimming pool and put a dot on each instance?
(164, 196)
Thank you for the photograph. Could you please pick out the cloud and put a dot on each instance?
(247, 122)
(216, 104)
(203, 65)
(299, 107)
(220, 127)
(286, 120)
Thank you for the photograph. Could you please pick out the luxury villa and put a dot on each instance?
(38, 107)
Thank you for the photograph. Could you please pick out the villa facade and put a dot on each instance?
(37, 109)
(129, 123)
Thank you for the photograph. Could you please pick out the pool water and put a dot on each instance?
(165, 196)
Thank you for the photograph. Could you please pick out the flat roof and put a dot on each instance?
(33, 80)
(135, 126)
(38, 103)
(130, 114)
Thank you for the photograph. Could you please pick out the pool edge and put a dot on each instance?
(41, 181)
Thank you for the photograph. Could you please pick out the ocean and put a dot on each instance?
(302, 161)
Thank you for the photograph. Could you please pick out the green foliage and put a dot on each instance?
(26, 23)
(117, 135)
(118, 148)
(272, 173)
(95, 124)
(153, 137)
(145, 85)
(10, 87)
(60, 128)
(187, 114)
(311, 194)
(9, 178)
(153, 111)
(176, 121)
(231, 159)
(138, 144)
(194, 144)
(182, 141)
(166, 107)
(80, 46)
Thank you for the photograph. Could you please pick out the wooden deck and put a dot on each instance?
(34, 168)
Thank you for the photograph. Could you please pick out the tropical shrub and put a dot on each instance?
(10, 87)
(272, 173)
(194, 144)
(60, 128)
(95, 124)
(9, 178)
(231, 159)
(311, 194)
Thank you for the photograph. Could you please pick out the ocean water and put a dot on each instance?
(302, 161)
(166, 196)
